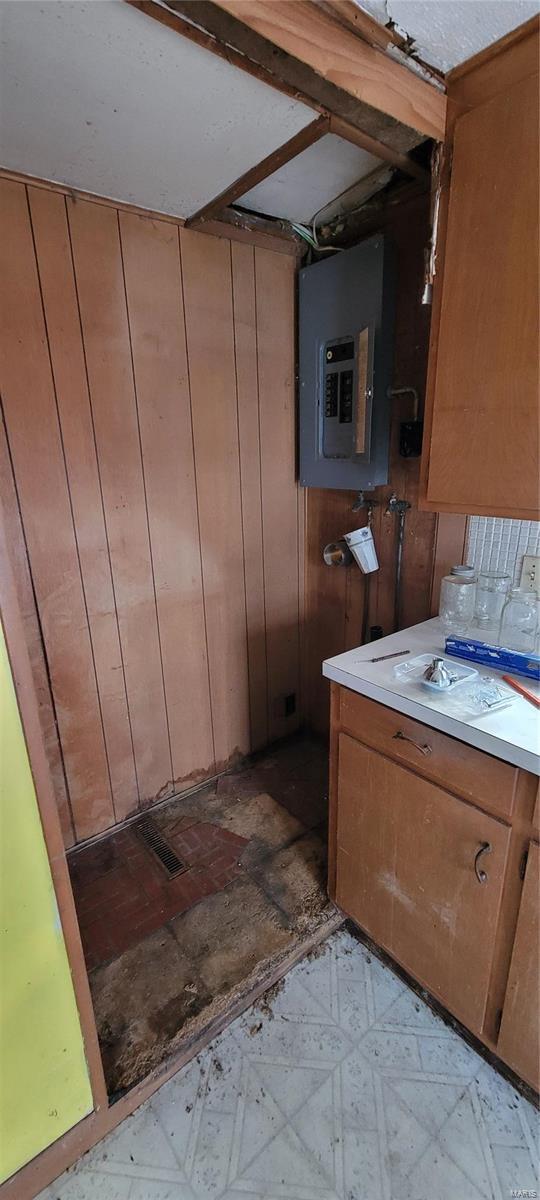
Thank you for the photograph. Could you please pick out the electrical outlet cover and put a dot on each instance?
(530, 574)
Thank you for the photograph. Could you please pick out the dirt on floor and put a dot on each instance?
(160, 994)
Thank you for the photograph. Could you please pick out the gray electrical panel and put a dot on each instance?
(345, 367)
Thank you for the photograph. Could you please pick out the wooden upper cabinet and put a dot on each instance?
(482, 409)
(519, 1042)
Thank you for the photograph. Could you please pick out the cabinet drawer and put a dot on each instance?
(422, 873)
(468, 772)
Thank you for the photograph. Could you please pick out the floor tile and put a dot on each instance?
(430, 1102)
(436, 1175)
(443, 1056)
(227, 936)
(363, 1176)
(294, 878)
(262, 820)
(150, 1189)
(503, 1109)
(297, 1100)
(358, 1099)
(406, 1137)
(515, 1169)
(461, 1138)
(89, 1186)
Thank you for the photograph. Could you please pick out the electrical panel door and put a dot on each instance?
(345, 325)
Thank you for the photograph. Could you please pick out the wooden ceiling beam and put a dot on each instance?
(383, 37)
(214, 29)
(298, 49)
(339, 58)
(306, 137)
(344, 129)
(347, 13)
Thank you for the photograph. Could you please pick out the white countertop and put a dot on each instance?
(512, 734)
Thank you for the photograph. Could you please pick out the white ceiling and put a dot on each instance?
(103, 98)
(310, 181)
(96, 95)
(447, 32)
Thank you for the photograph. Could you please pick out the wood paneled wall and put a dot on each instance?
(335, 595)
(148, 477)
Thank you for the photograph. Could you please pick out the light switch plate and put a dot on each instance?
(530, 574)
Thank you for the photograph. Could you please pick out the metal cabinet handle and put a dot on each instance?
(425, 749)
(481, 875)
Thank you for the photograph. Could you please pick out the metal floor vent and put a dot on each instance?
(147, 830)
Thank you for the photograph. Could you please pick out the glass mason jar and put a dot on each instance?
(519, 621)
(456, 604)
(491, 592)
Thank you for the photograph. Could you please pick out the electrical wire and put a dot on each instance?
(304, 232)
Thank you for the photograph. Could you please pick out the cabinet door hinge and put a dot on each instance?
(523, 864)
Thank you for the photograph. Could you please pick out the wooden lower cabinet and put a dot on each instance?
(435, 878)
(406, 853)
(520, 1026)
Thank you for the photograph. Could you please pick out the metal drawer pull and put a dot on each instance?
(481, 875)
(403, 737)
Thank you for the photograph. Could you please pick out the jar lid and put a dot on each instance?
(462, 569)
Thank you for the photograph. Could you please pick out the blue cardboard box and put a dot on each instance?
(500, 658)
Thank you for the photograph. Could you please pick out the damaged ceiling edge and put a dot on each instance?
(385, 37)
(440, 36)
(406, 45)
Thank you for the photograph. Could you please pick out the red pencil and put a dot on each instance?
(523, 691)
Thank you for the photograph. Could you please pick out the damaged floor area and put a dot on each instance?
(168, 955)
(340, 1085)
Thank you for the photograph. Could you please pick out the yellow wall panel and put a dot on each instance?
(44, 1082)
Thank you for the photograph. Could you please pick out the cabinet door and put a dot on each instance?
(483, 455)
(519, 1036)
(406, 873)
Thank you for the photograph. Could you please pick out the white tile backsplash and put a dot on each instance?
(498, 544)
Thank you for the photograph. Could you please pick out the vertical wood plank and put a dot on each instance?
(245, 338)
(206, 268)
(51, 238)
(302, 495)
(100, 285)
(156, 318)
(327, 515)
(450, 548)
(32, 424)
(410, 233)
(274, 276)
(22, 579)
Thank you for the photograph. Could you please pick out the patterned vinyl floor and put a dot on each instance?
(344, 1086)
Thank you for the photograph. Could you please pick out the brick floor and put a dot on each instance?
(164, 955)
(122, 893)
